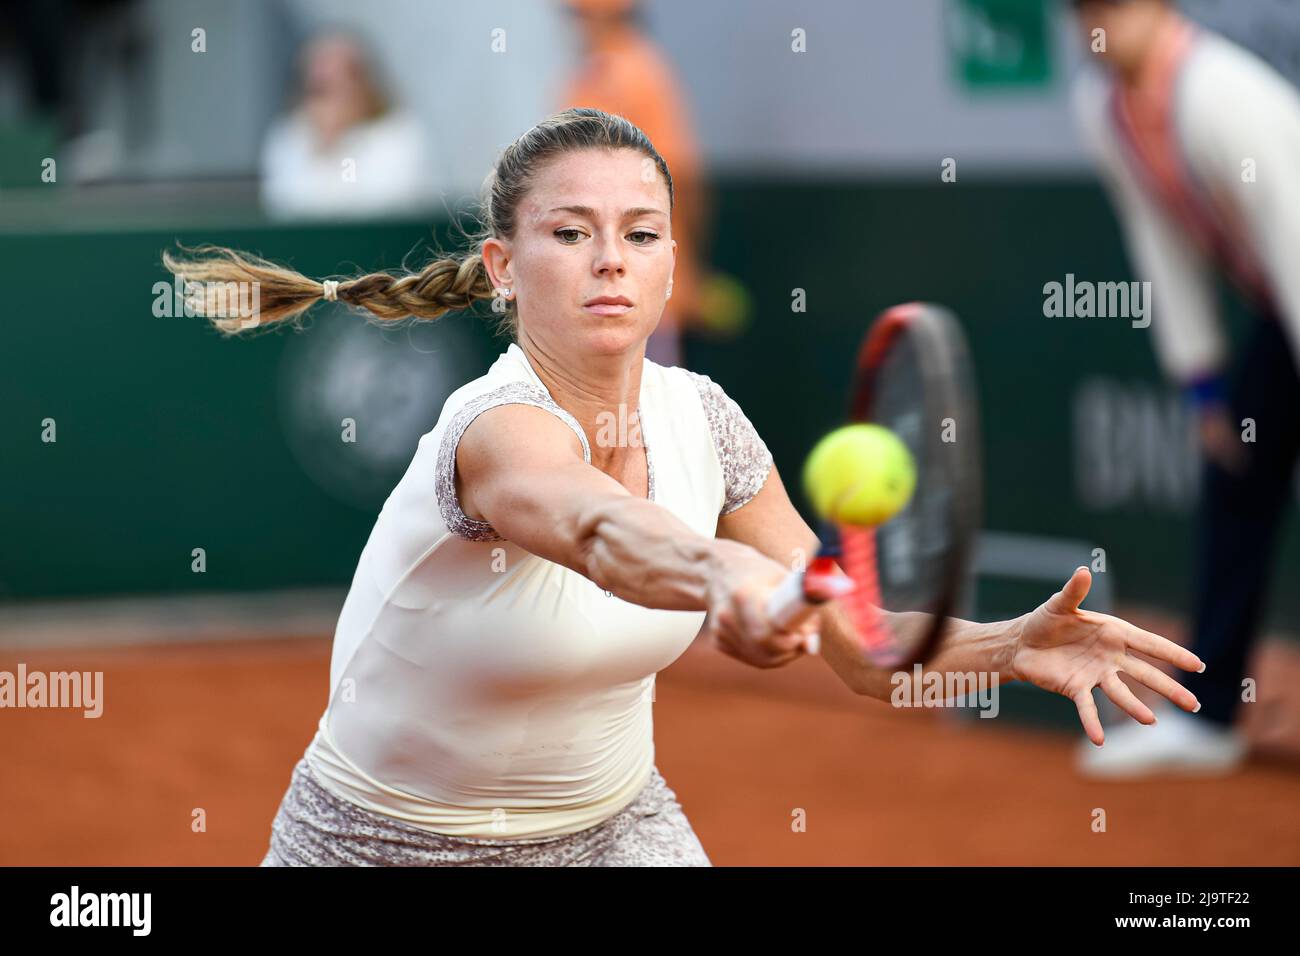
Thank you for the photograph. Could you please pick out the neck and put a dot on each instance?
(1138, 70)
(602, 393)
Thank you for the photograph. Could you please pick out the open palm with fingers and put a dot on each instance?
(1069, 651)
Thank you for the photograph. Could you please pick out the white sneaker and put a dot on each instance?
(1177, 743)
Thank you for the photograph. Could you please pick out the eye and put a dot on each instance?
(569, 230)
(649, 237)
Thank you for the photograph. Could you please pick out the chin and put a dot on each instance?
(617, 339)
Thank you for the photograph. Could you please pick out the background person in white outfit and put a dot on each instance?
(490, 703)
(1198, 142)
(347, 150)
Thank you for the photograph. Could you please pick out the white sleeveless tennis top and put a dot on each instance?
(478, 690)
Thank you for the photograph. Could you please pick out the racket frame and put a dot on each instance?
(948, 384)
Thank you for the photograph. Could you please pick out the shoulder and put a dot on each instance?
(638, 57)
(720, 408)
(1230, 85)
(715, 400)
(463, 407)
(1235, 106)
(1215, 61)
(742, 453)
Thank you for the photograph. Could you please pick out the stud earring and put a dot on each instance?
(504, 293)
(669, 295)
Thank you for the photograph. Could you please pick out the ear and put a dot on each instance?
(496, 261)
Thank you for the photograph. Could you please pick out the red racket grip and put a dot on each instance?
(858, 552)
(802, 592)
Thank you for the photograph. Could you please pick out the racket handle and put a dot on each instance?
(787, 607)
(800, 595)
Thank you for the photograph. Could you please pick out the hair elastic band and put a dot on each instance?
(331, 288)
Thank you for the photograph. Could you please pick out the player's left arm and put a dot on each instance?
(1058, 646)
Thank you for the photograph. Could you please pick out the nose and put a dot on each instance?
(608, 256)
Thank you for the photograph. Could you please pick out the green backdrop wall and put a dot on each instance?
(169, 438)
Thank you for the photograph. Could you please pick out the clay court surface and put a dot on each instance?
(218, 725)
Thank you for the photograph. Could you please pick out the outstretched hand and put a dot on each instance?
(1069, 651)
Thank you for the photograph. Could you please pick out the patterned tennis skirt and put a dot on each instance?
(313, 827)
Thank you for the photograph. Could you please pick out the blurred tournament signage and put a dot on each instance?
(999, 43)
(1136, 448)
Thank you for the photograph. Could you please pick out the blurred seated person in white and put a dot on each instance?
(346, 150)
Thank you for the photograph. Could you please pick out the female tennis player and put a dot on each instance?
(576, 518)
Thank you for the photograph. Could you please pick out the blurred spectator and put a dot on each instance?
(1198, 142)
(623, 72)
(346, 150)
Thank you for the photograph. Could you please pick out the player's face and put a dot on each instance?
(1126, 27)
(595, 223)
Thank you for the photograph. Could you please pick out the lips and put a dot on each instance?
(608, 305)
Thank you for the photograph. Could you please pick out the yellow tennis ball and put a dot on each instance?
(859, 475)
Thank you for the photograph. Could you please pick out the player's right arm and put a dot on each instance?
(522, 469)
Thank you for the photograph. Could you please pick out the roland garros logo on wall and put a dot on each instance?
(355, 398)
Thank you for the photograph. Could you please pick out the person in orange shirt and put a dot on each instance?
(623, 72)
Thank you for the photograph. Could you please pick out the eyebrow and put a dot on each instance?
(590, 213)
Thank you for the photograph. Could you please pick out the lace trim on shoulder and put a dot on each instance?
(514, 393)
(746, 461)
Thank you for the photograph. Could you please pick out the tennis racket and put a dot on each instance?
(913, 377)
